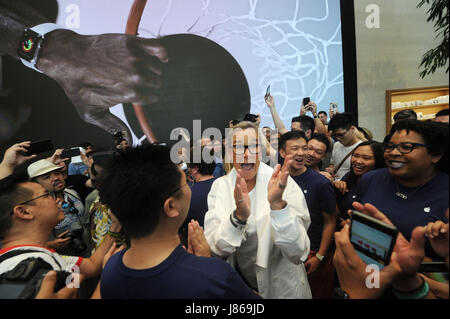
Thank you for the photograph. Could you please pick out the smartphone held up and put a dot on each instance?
(333, 107)
(306, 101)
(251, 118)
(372, 239)
(39, 147)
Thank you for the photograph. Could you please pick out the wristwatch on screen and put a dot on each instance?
(31, 43)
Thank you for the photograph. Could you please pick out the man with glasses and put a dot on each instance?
(28, 214)
(344, 133)
(51, 177)
(413, 190)
(258, 218)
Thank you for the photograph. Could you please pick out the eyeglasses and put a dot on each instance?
(339, 134)
(46, 194)
(403, 148)
(252, 148)
(177, 189)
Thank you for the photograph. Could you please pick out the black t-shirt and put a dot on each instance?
(424, 205)
(180, 276)
(320, 197)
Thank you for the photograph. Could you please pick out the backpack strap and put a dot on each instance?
(17, 252)
(342, 162)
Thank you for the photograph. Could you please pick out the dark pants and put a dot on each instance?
(322, 281)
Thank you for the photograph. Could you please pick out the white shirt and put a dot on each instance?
(246, 254)
(282, 240)
(339, 152)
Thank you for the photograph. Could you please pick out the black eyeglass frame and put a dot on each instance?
(340, 134)
(257, 148)
(46, 194)
(389, 147)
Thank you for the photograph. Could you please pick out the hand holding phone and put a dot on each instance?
(251, 118)
(305, 102)
(14, 155)
(267, 91)
(39, 147)
(333, 107)
(372, 239)
(71, 152)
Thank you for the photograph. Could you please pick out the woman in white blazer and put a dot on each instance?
(257, 218)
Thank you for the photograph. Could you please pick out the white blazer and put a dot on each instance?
(283, 244)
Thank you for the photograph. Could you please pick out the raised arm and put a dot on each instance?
(13, 157)
(270, 151)
(289, 214)
(276, 118)
(223, 234)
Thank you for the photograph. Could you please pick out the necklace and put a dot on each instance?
(404, 196)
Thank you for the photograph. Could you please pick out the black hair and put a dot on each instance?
(85, 145)
(322, 112)
(11, 193)
(434, 134)
(378, 154)
(295, 119)
(323, 139)
(203, 167)
(306, 122)
(291, 135)
(135, 185)
(405, 115)
(365, 132)
(443, 112)
(341, 121)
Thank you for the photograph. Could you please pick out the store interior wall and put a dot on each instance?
(389, 51)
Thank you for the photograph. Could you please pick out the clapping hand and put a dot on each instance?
(278, 183)
(197, 244)
(241, 197)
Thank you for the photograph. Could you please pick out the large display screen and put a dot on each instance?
(235, 49)
(294, 46)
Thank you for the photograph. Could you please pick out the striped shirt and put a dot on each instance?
(58, 262)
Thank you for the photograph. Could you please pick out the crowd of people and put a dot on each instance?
(135, 224)
(131, 223)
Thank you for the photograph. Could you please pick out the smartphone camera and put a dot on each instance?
(251, 118)
(373, 240)
(306, 100)
(39, 147)
(333, 107)
(268, 91)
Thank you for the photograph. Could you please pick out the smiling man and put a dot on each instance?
(318, 148)
(321, 200)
